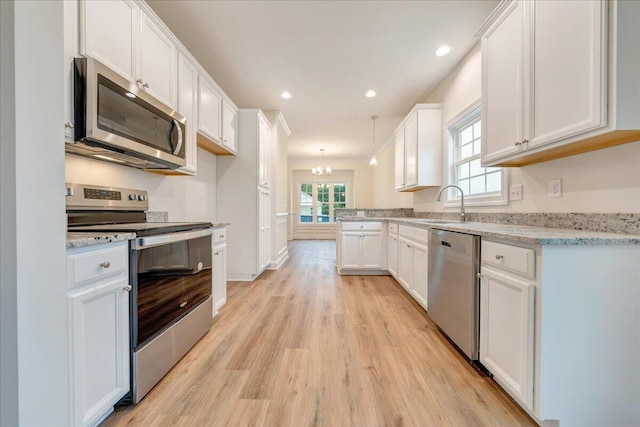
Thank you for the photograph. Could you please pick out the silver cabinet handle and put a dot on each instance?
(183, 304)
(517, 143)
(479, 275)
(216, 253)
(68, 125)
(127, 288)
(222, 236)
(498, 256)
(146, 85)
(105, 264)
(139, 81)
(362, 226)
(526, 141)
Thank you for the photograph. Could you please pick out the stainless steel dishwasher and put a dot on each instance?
(454, 262)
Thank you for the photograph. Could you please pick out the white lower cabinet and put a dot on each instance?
(361, 246)
(507, 331)
(413, 258)
(219, 290)
(98, 330)
(392, 255)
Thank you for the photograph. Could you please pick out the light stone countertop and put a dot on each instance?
(521, 233)
(79, 239)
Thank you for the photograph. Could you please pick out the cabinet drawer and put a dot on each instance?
(95, 264)
(393, 228)
(219, 235)
(362, 226)
(420, 235)
(512, 258)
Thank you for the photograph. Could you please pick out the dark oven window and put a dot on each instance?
(172, 279)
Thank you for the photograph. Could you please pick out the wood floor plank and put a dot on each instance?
(303, 346)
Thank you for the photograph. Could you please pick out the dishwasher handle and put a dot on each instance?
(447, 244)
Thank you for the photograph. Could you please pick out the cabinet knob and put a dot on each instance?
(479, 275)
(183, 304)
(216, 253)
(362, 226)
(526, 141)
(517, 144)
(105, 264)
(222, 236)
(127, 288)
(68, 125)
(139, 81)
(498, 256)
(146, 85)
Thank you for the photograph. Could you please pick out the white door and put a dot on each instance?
(411, 150)
(405, 264)
(392, 265)
(502, 85)
(187, 104)
(229, 126)
(209, 110)
(219, 277)
(420, 275)
(158, 62)
(108, 34)
(99, 342)
(371, 250)
(568, 88)
(506, 332)
(399, 159)
(350, 250)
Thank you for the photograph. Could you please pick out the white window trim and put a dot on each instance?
(452, 200)
(315, 183)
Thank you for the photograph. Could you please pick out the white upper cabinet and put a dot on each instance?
(264, 142)
(187, 106)
(229, 126)
(124, 38)
(209, 110)
(551, 90)
(157, 62)
(108, 31)
(418, 160)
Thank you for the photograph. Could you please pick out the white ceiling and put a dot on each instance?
(327, 54)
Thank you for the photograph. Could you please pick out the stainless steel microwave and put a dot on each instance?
(117, 121)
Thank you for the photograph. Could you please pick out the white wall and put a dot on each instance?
(384, 191)
(34, 302)
(185, 198)
(603, 181)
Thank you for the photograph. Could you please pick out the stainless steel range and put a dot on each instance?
(169, 272)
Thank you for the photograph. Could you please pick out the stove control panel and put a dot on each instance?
(92, 197)
(94, 193)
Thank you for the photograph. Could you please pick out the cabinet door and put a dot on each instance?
(420, 275)
(502, 85)
(399, 159)
(568, 69)
(265, 229)
(209, 105)
(187, 104)
(350, 250)
(392, 263)
(405, 264)
(264, 135)
(219, 277)
(411, 150)
(229, 126)
(371, 249)
(99, 341)
(108, 34)
(158, 62)
(507, 332)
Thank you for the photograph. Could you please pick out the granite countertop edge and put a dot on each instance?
(525, 234)
(80, 239)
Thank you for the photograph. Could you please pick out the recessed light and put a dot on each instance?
(370, 93)
(130, 95)
(285, 95)
(443, 50)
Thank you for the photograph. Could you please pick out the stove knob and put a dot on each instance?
(142, 197)
(133, 197)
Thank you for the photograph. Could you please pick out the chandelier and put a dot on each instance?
(321, 170)
(374, 161)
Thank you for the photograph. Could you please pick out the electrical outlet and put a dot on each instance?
(360, 213)
(555, 188)
(201, 198)
(516, 192)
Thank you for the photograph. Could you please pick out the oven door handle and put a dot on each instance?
(165, 239)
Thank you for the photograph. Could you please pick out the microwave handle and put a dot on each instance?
(179, 129)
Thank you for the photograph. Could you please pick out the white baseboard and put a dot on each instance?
(275, 265)
(241, 277)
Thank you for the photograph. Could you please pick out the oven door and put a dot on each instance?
(113, 112)
(172, 275)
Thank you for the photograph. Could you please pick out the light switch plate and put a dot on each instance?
(555, 188)
(516, 192)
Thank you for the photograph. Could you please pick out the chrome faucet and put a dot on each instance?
(461, 199)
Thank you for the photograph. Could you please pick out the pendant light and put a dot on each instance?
(321, 170)
(374, 161)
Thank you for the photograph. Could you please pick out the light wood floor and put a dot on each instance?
(302, 346)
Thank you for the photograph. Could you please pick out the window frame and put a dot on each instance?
(460, 121)
(314, 190)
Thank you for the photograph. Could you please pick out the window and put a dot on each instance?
(318, 201)
(481, 185)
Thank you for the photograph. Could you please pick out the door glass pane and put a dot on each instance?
(323, 203)
(306, 202)
(339, 198)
